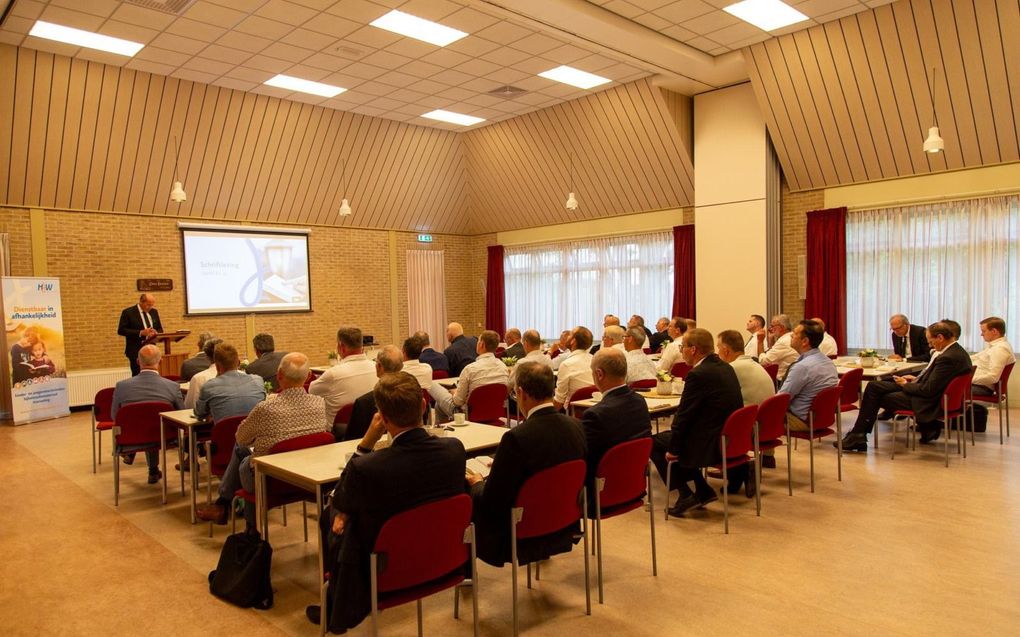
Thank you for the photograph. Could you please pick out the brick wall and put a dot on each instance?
(795, 206)
(16, 222)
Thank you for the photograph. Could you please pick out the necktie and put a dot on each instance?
(146, 320)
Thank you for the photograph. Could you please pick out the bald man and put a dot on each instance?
(461, 351)
(139, 325)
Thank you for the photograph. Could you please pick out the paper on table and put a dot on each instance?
(480, 465)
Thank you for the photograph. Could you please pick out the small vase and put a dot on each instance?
(867, 361)
(664, 388)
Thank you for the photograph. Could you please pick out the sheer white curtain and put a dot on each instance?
(553, 287)
(956, 260)
(426, 294)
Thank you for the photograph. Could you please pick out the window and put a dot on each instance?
(557, 286)
(955, 260)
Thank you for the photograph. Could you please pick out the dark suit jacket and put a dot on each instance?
(926, 392)
(145, 387)
(435, 360)
(460, 353)
(656, 340)
(361, 417)
(266, 366)
(417, 468)
(918, 344)
(620, 416)
(129, 326)
(711, 394)
(545, 439)
(516, 350)
(197, 363)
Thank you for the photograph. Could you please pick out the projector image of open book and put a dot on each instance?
(286, 290)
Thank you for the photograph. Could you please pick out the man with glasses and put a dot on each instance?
(908, 340)
(779, 350)
(639, 366)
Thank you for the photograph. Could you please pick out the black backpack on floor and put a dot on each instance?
(242, 574)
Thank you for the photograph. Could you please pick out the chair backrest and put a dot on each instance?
(646, 350)
(773, 370)
(485, 403)
(772, 417)
(424, 543)
(304, 442)
(438, 374)
(223, 436)
(832, 357)
(103, 404)
(139, 423)
(499, 352)
(173, 377)
(1001, 389)
(584, 393)
(623, 468)
(956, 392)
(647, 383)
(851, 384)
(343, 415)
(550, 499)
(680, 369)
(739, 431)
(824, 406)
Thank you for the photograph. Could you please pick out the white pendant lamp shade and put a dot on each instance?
(345, 208)
(571, 202)
(934, 143)
(177, 195)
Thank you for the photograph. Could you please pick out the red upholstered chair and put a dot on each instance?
(136, 429)
(420, 552)
(499, 352)
(769, 432)
(833, 357)
(173, 377)
(438, 374)
(485, 404)
(584, 393)
(851, 384)
(621, 482)
(773, 372)
(679, 370)
(648, 383)
(280, 494)
(342, 417)
(646, 350)
(999, 399)
(549, 501)
(101, 421)
(219, 449)
(954, 399)
(823, 415)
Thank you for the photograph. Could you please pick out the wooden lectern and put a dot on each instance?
(170, 364)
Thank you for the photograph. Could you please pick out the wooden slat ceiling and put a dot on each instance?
(849, 101)
(628, 157)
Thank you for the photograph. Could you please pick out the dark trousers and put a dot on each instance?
(879, 394)
(135, 369)
(679, 475)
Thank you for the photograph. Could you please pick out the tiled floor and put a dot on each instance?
(900, 547)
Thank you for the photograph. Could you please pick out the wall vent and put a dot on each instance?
(507, 92)
(173, 7)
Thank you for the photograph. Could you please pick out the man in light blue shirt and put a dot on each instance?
(232, 392)
(809, 374)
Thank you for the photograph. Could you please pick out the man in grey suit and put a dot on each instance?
(268, 361)
(147, 386)
(232, 392)
(199, 361)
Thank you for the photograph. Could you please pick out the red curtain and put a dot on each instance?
(683, 271)
(495, 304)
(826, 271)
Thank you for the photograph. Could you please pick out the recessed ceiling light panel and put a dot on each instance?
(418, 28)
(304, 86)
(574, 77)
(77, 37)
(454, 118)
(767, 15)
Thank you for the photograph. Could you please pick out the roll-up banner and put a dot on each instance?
(35, 369)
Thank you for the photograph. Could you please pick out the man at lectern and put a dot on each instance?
(139, 325)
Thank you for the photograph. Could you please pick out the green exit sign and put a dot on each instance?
(424, 238)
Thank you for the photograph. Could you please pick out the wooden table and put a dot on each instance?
(885, 370)
(656, 406)
(185, 421)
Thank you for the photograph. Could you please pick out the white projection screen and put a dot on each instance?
(241, 269)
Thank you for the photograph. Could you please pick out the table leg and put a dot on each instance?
(180, 458)
(261, 515)
(193, 462)
(322, 568)
(162, 453)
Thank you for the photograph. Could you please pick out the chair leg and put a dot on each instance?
(474, 580)
(208, 474)
(96, 434)
(726, 488)
(597, 544)
(651, 520)
(587, 574)
(811, 453)
(757, 484)
(374, 586)
(839, 446)
(420, 633)
(515, 514)
(284, 515)
(529, 573)
(99, 444)
(669, 481)
(116, 479)
(304, 517)
(789, 463)
(538, 570)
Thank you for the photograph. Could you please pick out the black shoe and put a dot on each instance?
(930, 433)
(184, 467)
(768, 462)
(155, 477)
(749, 488)
(885, 415)
(129, 458)
(854, 442)
(683, 505)
(314, 614)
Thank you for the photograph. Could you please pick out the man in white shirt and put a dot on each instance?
(780, 351)
(993, 358)
(421, 371)
(671, 355)
(532, 342)
(755, 324)
(353, 376)
(575, 370)
(639, 366)
(613, 337)
(486, 369)
(828, 346)
(199, 379)
(755, 383)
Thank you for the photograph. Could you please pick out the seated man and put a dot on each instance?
(267, 360)
(811, 373)
(778, 349)
(660, 337)
(436, 360)
(993, 358)
(376, 485)
(755, 383)
(147, 386)
(620, 416)
(199, 361)
(639, 366)
(462, 348)
(671, 354)
(486, 369)
(532, 342)
(755, 324)
(200, 378)
(232, 392)
(292, 413)
(575, 370)
(711, 394)
(545, 439)
(608, 321)
(354, 375)
(389, 360)
(559, 350)
(922, 394)
(909, 342)
(612, 336)
(411, 353)
(828, 346)
(638, 321)
(514, 347)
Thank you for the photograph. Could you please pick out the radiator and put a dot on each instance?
(83, 384)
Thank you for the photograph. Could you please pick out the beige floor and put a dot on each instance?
(900, 547)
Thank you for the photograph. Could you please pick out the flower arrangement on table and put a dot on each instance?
(663, 376)
(268, 387)
(333, 357)
(867, 357)
(244, 365)
(509, 361)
